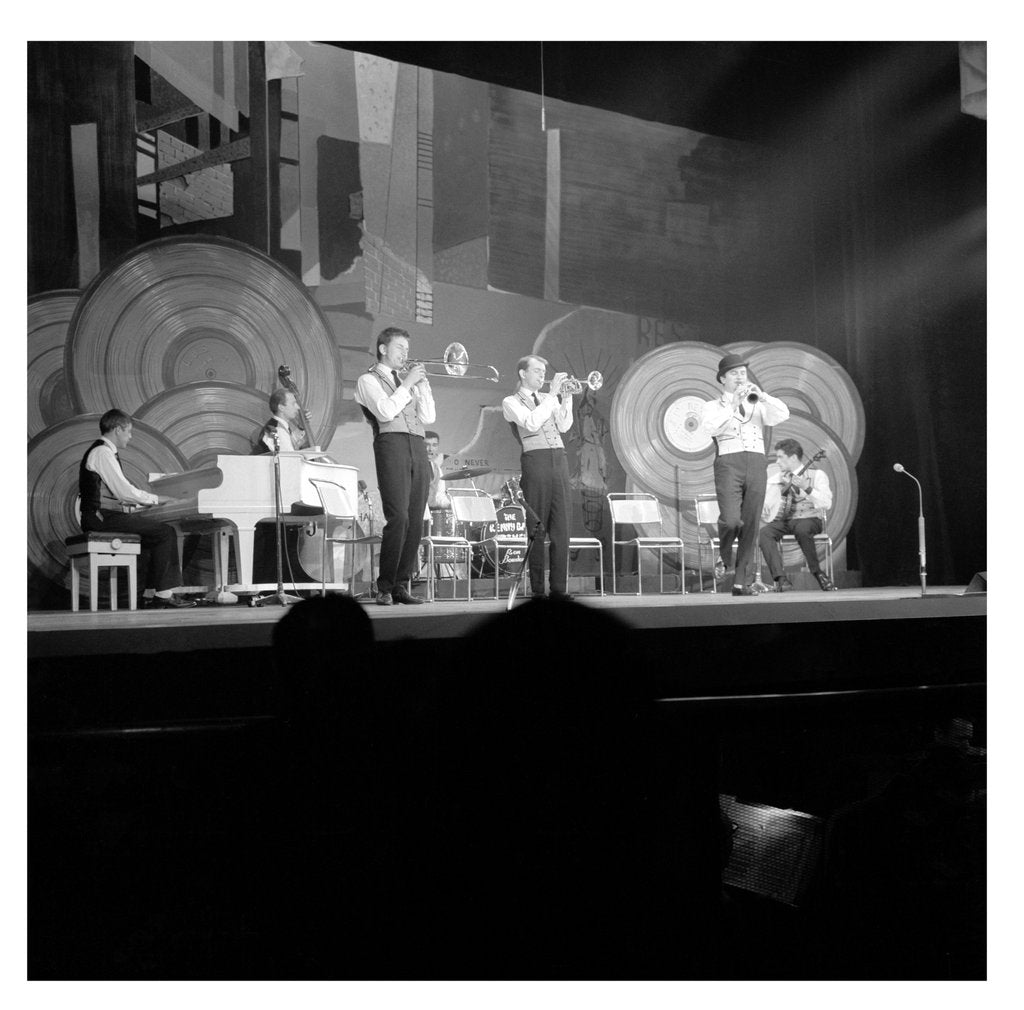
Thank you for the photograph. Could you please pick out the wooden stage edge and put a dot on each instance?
(63, 633)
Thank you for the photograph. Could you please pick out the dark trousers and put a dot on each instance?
(804, 531)
(545, 484)
(159, 545)
(740, 482)
(403, 476)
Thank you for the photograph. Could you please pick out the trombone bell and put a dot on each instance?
(455, 363)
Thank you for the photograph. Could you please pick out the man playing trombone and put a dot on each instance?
(736, 421)
(538, 421)
(397, 406)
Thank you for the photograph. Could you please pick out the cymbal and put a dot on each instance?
(465, 473)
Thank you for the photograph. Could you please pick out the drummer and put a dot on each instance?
(437, 497)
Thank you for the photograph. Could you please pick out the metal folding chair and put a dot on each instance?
(339, 507)
(640, 509)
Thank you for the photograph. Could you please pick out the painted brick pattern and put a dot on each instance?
(196, 196)
(391, 283)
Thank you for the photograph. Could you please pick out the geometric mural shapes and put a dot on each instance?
(53, 460)
(655, 420)
(193, 309)
(809, 380)
(376, 85)
(49, 315)
(492, 445)
(214, 75)
(206, 419)
(337, 181)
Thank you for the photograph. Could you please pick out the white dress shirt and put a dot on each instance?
(520, 409)
(103, 460)
(809, 504)
(287, 439)
(735, 432)
(376, 397)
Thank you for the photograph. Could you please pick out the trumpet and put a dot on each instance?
(574, 386)
(750, 392)
(455, 363)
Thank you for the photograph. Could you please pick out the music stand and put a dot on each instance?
(279, 596)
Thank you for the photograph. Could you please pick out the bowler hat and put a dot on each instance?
(730, 361)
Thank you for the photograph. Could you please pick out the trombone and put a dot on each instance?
(455, 363)
(574, 386)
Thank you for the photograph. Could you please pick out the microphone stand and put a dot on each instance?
(535, 528)
(920, 528)
(280, 596)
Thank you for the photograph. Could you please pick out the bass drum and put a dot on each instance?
(509, 560)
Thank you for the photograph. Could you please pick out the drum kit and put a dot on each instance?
(511, 521)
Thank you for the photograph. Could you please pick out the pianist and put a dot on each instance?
(107, 495)
(396, 407)
(284, 422)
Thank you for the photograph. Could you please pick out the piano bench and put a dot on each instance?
(103, 550)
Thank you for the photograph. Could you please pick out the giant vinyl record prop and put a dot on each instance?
(809, 380)
(193, 309)
(205, 419)
(655, 420)
(53, 460)
(49, 316)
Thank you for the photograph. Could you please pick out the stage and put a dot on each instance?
(217, 661)
(62, 633)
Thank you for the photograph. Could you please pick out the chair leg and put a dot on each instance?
(113, 587)
(94, 583)
(75, 586)
(133, 585)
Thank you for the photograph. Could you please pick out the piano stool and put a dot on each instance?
(103, 550)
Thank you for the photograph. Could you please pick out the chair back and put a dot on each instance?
(337, 501)
(634, 508)
(472, 505)
(705, 507)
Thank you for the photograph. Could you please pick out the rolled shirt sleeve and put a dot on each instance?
(102, 460)
(514, 409)
(385, 406)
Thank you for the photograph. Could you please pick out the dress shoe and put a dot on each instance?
(384, 599)
(824, 581)
(782, 584)
(557, 594)
(743, 591)
(402, 595)
(167, 603)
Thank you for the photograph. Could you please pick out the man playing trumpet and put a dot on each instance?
(397, 407)
(538, 421)
(795, 503)
(736, 421)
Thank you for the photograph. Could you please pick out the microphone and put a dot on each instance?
(900, 468)
(362, 487)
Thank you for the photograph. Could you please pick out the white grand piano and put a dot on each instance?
(233, 494)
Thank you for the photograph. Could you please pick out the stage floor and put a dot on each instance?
(64, 633)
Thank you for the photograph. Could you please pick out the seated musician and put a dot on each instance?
(795, 502)
(285, 423)
(107, 495)
(437, 496)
